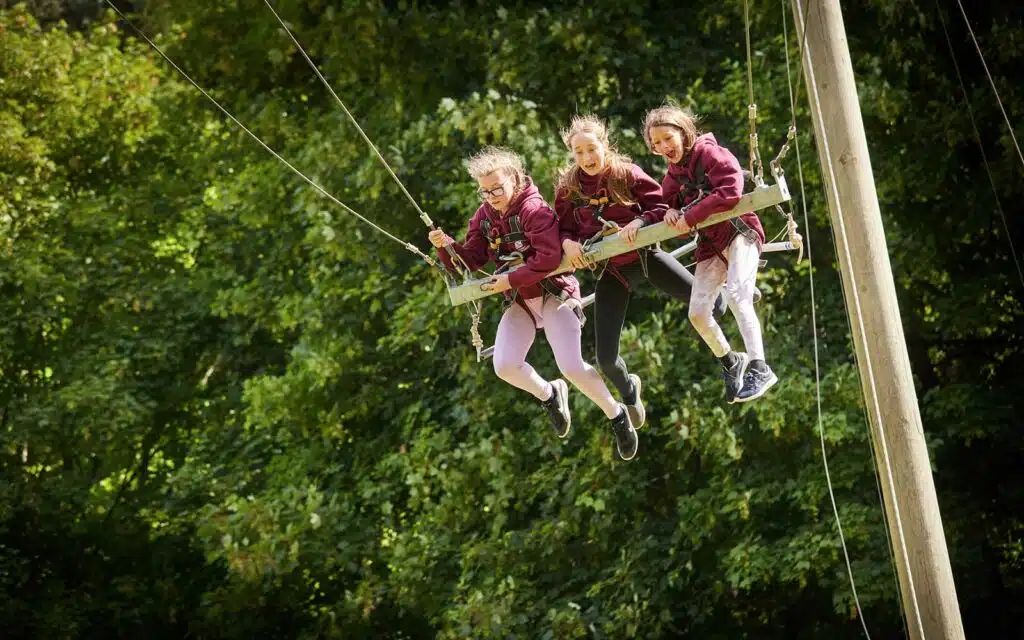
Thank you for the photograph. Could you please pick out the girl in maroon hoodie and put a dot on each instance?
(514, 225)
(704, 178)
(602, 187)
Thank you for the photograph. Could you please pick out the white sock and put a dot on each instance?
(551, 392)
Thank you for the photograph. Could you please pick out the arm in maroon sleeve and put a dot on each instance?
(541, 228)
(567, 227)
(726, 177)
(473, 250)
(648, 194)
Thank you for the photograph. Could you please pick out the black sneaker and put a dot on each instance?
(758, 379)
(734, 376)
(558, 408)
(635, 405)
(625, 435)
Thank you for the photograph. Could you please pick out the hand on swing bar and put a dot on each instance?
(675, 219)
(497, 283)
(628, 232)
(574, 251)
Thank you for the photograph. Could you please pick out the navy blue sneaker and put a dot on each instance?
(757, 380)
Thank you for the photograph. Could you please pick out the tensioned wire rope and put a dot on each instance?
(861, 330)
(409, 246)
(977, 132)
(476, 339)
(992, 82)
(794, 99)
(791, 136)
(458, 263)
(456, 260)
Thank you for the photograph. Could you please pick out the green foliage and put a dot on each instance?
(231, 410)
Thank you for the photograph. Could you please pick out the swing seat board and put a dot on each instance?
(612, 246)
(689, 247)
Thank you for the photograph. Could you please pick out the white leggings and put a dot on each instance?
(516, 333)
(741, 276)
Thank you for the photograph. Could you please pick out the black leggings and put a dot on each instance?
(611, 298)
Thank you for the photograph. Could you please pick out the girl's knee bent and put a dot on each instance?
(701, 317)
(505, 369)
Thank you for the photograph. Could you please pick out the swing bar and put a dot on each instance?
(759, 198)
(689, 247)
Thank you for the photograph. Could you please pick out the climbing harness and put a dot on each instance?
(514, 237)
(517, 239)
(599, 202)
(702, 185)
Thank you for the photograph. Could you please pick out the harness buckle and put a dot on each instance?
(510, 260)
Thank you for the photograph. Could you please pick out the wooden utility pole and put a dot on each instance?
(915, 526)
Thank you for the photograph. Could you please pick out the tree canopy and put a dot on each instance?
(228, 409)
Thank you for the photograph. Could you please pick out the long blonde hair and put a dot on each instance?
(567, 179)
(672, 115)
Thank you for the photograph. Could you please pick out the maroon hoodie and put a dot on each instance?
(725, 176)
(541, 255)
(578, 222)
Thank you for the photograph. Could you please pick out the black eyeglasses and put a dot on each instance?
(496, 192)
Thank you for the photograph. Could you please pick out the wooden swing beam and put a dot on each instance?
(760, 198)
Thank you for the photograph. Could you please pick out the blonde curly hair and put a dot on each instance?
(491, 159)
